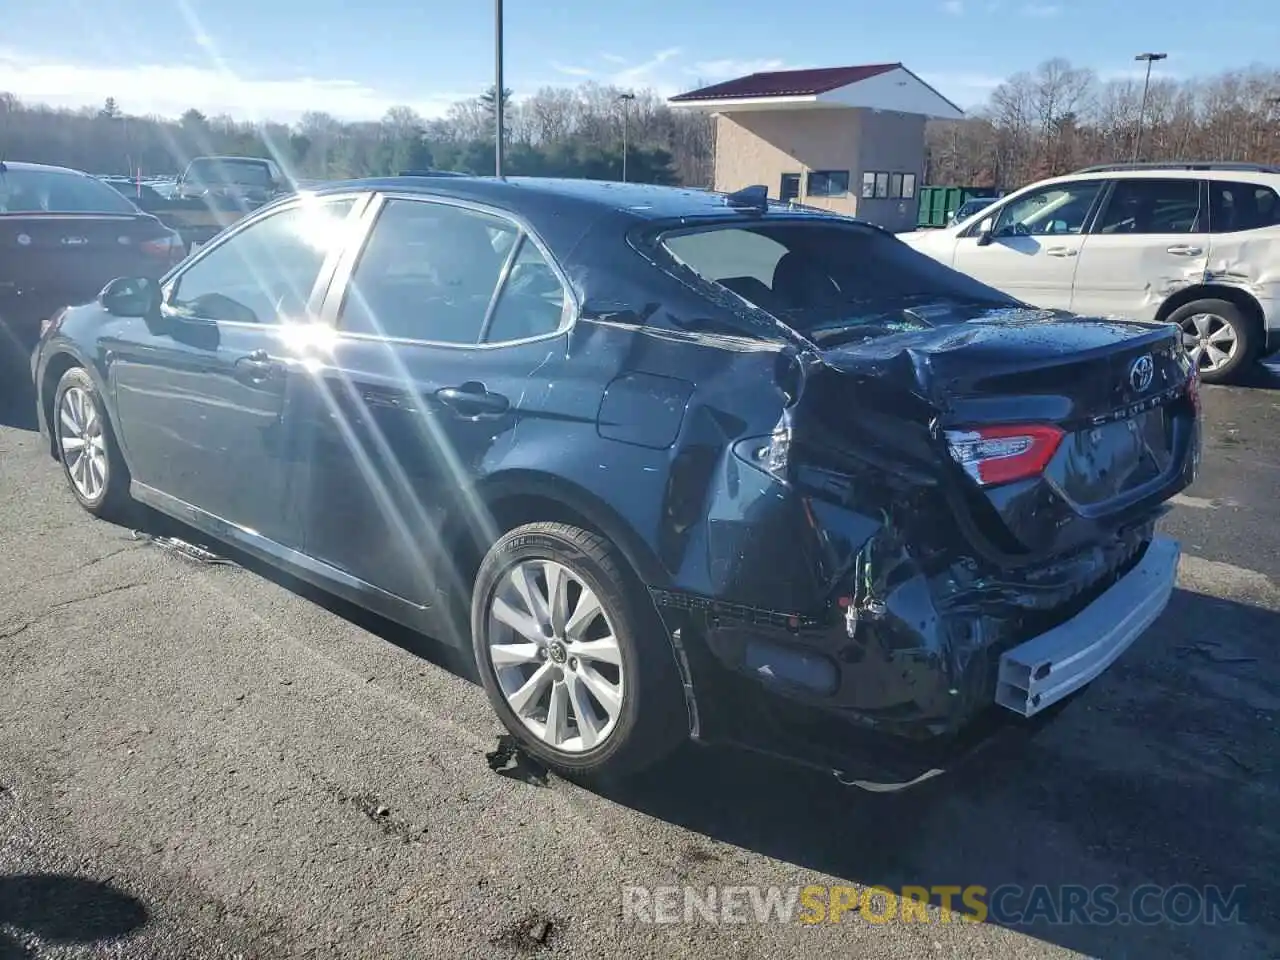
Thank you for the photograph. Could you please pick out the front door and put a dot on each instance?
(1152, 236)
(427, 377)
(201, 391)
(1035, 245)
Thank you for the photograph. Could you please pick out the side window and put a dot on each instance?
(741, 260)
(428, 272)
(1049, 211)
(531, 302)
(266, 271)
(1242, 206)
(1152, 206)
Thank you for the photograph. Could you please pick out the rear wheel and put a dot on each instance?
(572, 654)
(87, 447)
(1219, 338)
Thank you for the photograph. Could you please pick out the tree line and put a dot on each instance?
(1044, 122)
(1059, 117)
(569, 132)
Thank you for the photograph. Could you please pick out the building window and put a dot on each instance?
(888, 186)
(828, 183)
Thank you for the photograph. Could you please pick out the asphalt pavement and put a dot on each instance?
(203, 760)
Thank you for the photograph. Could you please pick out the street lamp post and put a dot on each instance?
(1150, 58)
(498, 104)
(625, 99)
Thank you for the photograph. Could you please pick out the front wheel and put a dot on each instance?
(1218, 337)
(572, 654)
(87, 447)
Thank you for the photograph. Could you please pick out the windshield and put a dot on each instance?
(243, 172)
(970, 207)
(833, 281)
(53, 191)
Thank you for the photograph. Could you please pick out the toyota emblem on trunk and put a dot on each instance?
(1141, 373)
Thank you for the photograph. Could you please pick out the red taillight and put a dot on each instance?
(169, 246)
(1000, 454)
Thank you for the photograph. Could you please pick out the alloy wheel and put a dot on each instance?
(1210, 340)
(83, 445)
(556, 658)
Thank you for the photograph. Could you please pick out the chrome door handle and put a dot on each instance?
(1061, 251)
(1185, 250)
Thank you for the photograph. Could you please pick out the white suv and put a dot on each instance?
(1193, 244)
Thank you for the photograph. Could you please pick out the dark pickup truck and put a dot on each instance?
(211, 194)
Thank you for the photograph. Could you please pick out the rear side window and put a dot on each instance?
(1234, 207)
(430, 271)
(829, 279)
(1152, 206)
(52, 191)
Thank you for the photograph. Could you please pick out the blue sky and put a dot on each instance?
(279, 58)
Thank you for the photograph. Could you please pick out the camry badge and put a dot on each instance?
(1141, 372)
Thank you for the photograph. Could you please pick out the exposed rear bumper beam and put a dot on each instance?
(1037, 674)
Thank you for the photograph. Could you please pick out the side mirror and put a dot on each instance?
(131, 297)
(986, 231)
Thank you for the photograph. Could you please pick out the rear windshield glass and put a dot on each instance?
(833, 281)
(51, 191)
(243, 172)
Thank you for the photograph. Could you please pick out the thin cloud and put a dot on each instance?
(169, 89)
(954, 7)
(571, 71)
(612, 58)
(966, 90)
(728, 69)
(1041, 10)
(646, 73)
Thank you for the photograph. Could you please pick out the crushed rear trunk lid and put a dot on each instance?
(1046, 430)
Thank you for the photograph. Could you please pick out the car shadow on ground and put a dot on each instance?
(57, 909)
(1261, 376)
(17, 396)
(1164, 774)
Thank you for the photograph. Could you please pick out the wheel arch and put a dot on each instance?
(54, 369)
(1245, 301)
(516, 497)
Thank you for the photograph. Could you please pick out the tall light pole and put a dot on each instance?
(1150, 58)
(499, 104)
(625, 99)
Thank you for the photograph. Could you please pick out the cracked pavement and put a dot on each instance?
(213, 761)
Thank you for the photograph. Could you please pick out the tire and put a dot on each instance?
(98, 479)
(1210, 324)
(638, 716)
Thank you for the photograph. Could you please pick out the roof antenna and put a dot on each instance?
(753, 199)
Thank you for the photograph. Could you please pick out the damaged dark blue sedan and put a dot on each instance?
(668, 463)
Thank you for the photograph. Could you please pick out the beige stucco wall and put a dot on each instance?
(760, 146)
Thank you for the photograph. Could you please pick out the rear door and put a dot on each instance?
(450, 330)
(1150, 238)
(1035, 245)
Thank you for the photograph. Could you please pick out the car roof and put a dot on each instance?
(40, 168)
(1172, 172)
(533, 195)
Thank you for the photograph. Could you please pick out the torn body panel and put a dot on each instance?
(840, 563)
